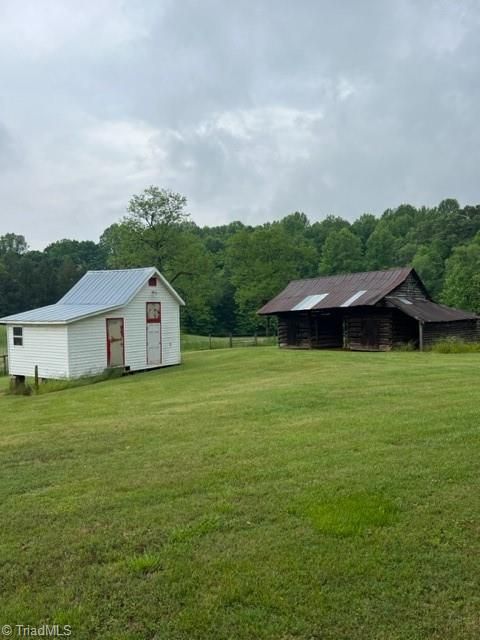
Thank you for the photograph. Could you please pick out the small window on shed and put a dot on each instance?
(18, 336)
(152, 282)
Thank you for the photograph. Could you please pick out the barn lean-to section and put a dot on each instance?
(368, 311)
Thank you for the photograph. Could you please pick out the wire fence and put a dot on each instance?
(201, 343)
(189, 343)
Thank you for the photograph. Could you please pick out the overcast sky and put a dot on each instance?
(250, 108)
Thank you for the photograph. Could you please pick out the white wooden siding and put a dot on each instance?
(87, 340)
(45, 346)
(87, 346)
(136, 327)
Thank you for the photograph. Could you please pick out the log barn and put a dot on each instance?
(127, 319)
(368, 311)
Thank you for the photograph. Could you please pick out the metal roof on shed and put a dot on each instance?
(350, 289)
(96, 292)
(109, 288)
(428, 311)
(57, 313)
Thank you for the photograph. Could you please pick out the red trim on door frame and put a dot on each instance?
(153, 321)
(159, 319)
(122, 331)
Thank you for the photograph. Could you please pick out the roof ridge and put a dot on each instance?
(114, 270)
(353, 273)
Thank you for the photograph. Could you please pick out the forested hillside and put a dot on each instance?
(227, 272)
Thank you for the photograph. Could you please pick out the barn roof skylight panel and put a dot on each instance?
(309, 302)
(353, 298)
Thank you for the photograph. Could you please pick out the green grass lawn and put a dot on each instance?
(248, 494)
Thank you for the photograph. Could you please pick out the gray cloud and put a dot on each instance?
(250, 109)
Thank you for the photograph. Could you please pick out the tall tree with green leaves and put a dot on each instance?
(430, 266)
(260, 263)
(462, 277)
(319, 231)
(342, 253)
(364, 226)
(13, 243)
(148, 234)
(381, 248)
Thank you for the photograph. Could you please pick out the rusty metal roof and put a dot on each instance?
(428, 311)
(346, 290)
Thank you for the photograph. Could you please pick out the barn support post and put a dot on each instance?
(420, 335)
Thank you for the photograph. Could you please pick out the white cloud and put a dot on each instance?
(334, 108)
(33, 29)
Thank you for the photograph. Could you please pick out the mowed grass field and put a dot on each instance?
(248, 494)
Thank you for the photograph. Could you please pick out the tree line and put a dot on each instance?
(226, 272)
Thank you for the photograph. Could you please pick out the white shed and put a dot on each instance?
(127, 318)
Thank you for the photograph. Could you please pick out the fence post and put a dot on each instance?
(255, 341)
(36, 377)
(209, 340)
(230, 341)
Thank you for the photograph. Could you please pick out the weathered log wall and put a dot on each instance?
(411, 288)
(467, 330)
(368, 329)
(294, 330)
(310, 330)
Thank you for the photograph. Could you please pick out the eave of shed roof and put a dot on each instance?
(428, 311)
(56, 314)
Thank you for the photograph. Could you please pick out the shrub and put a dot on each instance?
(405, 346)
(455, 345)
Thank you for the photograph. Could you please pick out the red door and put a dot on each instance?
(115, 342)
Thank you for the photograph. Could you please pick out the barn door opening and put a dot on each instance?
(154, 333)
(115, 342)
(370, 332)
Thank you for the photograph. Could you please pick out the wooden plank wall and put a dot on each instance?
(282, 324)
(410, 288)
(306, 330)
(467, 330)
(355, 329)
(310, 330)
(294, 330)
